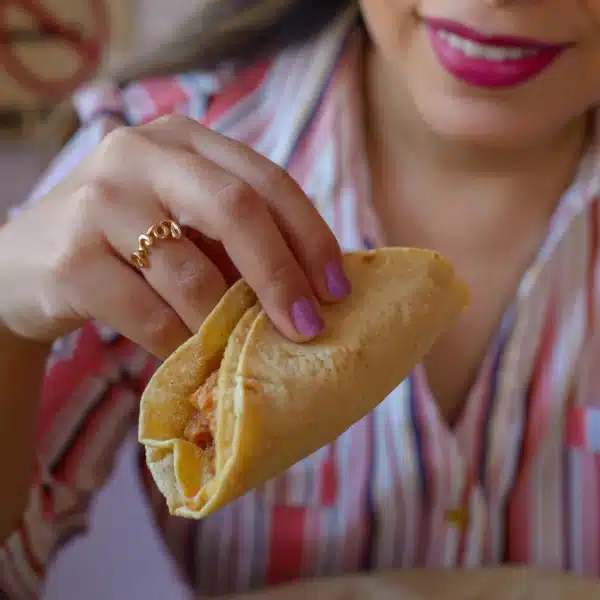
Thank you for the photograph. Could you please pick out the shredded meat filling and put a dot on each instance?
(201, 428)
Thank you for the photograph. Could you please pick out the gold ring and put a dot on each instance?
(156, 233)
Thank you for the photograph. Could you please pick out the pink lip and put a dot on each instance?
(481, 72)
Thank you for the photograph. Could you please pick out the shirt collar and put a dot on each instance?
(580, 195)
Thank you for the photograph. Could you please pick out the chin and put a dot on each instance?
(487, 122)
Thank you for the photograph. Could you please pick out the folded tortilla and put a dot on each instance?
(238, 403)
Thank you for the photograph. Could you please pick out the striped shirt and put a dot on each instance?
(517, 479)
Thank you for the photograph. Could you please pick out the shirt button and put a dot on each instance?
(457, 516)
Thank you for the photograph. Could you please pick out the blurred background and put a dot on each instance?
(47, 47)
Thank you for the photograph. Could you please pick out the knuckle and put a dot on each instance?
(283, 275)
(160, 325)
(175, 121)
(120, 138)
(93, 201)
(119, 144)
(189, 276)
(275, 177)
(237, 202)
(93, 192)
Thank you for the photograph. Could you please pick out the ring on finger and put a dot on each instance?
(161, 231)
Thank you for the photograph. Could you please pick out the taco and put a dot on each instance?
(239, 403)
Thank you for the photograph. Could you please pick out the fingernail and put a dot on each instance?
(306, 318)
(337, 282)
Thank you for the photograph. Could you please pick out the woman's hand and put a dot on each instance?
(68, 258)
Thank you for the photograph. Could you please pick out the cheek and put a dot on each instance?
(589, 63)
(592, 7)
(392, 29)
(388, 21)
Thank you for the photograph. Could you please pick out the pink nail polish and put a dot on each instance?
(306, 318)
(337, 282)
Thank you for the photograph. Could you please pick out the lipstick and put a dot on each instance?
(489, 61)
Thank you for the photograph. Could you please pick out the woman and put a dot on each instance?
(465, 126)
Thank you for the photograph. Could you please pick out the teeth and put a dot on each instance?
(476, 50)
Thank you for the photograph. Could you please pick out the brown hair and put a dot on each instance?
(240, 31)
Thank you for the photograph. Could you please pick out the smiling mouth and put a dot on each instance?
(493, 53)
(489, 61)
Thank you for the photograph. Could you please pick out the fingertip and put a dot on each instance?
(337, 283)
(330, 282)
(300, 322)
(306, 318)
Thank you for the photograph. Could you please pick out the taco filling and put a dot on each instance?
(201, 427)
